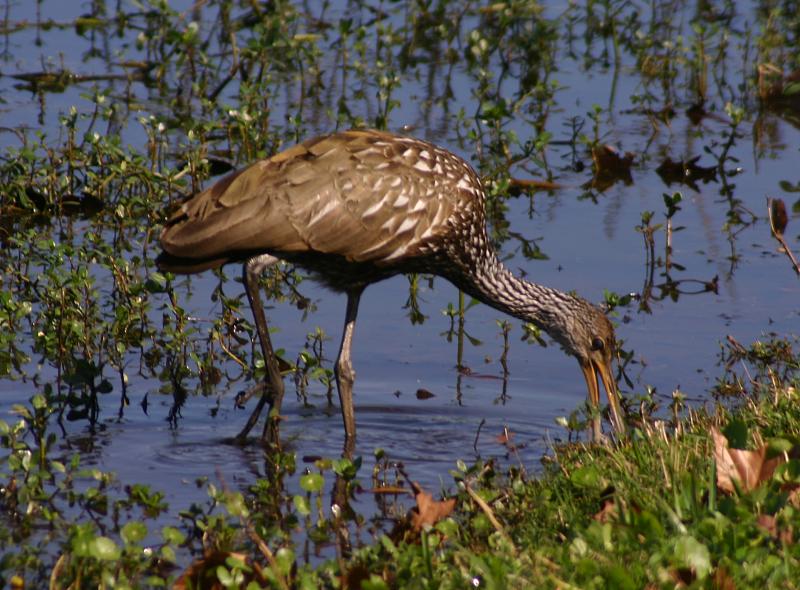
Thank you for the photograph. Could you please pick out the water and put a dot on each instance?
(591, 243)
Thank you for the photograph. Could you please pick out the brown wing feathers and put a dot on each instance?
(364, 195)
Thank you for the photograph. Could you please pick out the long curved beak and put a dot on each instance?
(594, 372)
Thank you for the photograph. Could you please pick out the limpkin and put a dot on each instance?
(357, 207)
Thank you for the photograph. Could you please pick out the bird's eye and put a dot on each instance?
(597, 343)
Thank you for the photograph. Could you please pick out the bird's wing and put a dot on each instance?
(364, 195)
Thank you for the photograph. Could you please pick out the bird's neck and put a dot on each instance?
(490, 282)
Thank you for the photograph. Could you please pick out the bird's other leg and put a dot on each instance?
(273, 391)
(345, 375)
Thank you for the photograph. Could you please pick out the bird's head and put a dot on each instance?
(587, 334)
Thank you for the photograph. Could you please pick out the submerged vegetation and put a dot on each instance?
(142, 102)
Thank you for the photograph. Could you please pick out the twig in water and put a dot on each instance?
(477, 435)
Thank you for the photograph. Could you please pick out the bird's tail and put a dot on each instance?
(184, 266)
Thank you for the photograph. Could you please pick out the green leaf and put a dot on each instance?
(691, 553)
(301, 505)
(312, 482)
(389, 546)
(618, 577)
(21, 411)
(779, 446)
(133, 532)
(168, 554)
(587, 476)
(788, 187)
(737, 433)
(374, 583)
(172, 535)
(448, 527)
(234, 502)
(104, 548)
(791, 89)
(285, 558)
(156, 283)
(788, 472)
(224, 576)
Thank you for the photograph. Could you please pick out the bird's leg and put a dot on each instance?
(273, 392)
(345, 375)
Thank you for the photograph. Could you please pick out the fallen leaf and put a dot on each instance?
(768, 523)
(532, 184)
(504, 437)
(747, 468)
(607, 160)
(794, 497)
(686, 172)
(777, 216)
(722, 580)
(608, 511)
(424, 394)
(610, 166)
(428, 511)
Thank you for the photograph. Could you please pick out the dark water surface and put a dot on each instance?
(588, 235)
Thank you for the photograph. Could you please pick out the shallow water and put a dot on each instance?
(592, 247)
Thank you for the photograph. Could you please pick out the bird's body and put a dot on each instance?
(357, 207)
(354, 207)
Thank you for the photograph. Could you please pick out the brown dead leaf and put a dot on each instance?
(607, 512)
(504, 438)
(687, 172)
(531, 184)
(429, 511)
(748, 468)
(722, 580)
(608, 160)
(770, 81)
(682, 576)
(424, 394)
(768, 523)
(794, 497)
(775, 86)
(777, 216)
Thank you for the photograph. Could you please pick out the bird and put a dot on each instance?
(354, 208)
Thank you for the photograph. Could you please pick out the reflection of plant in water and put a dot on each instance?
(738, 217)
(310, 365)
(670, 287)
(457, 317)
